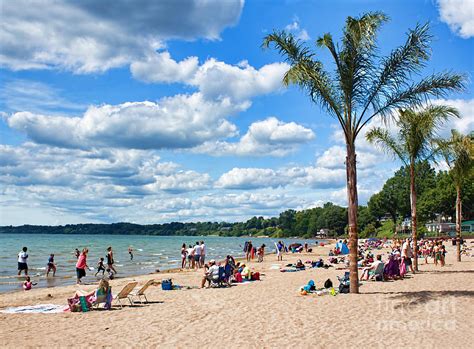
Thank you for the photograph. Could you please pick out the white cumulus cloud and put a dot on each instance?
(459, 15)
(263, 138)
(94, 36)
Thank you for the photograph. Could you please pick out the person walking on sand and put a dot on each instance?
(110, 259)
(184, 252)
(22, 261)
(130, 252)
(51, 265)
(280, 248)
(81, 265)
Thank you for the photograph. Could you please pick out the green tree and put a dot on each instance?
(458, 153)
(364, 86)
(413, 143)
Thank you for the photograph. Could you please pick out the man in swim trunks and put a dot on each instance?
(22, 261)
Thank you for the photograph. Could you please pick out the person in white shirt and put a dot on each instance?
(203, 254)
(22, 261)
(190, 254)
(407, 254)
(210, 274)
(197, 255)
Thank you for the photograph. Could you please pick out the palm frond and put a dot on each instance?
(398, 67)
(306, 72)
(417, 94)
(386, 142)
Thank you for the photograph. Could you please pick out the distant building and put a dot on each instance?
(467, 227)
(323, 233)
(441, 227)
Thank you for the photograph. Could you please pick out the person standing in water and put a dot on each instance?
(130, 252)
(183, 256)
(197, 255)
(22, 261)
(77, 253)
(51, 265)
(110, 259)
(249, 251)
(203, 254)
(81, 265)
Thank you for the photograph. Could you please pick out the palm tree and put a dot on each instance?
(413, 143)
(363, 86)
(458, 152)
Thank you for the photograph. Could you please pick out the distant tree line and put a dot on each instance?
(385, 209)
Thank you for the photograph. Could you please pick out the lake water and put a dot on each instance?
(150, 253)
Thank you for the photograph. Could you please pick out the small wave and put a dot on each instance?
(140, 249)
(157, 254)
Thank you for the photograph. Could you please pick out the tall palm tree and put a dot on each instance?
(413, 143)
(458, 152)
(363, 86)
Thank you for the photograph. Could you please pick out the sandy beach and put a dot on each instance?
(432, 309)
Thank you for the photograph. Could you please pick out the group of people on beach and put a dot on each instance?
(82, 265)
(193, 256)
(227, 272)
(103, 265)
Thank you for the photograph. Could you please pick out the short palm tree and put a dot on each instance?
(363, 86)
(458, 152)
(413, 143)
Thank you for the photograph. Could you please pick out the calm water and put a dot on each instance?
(150, 253)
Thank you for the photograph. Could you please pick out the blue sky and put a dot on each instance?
(153, 112)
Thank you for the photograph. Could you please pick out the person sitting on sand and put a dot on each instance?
(376, 268)
(102, 294)
(51, 265)
(211, 273)
(392, 268)
(299, 265)
(246, 273)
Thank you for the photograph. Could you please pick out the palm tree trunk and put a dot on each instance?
(413, 215)
(352, 216)
(458, 222)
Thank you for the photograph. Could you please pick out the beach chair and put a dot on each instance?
(105, 298)
(141, 292)
(125, 293)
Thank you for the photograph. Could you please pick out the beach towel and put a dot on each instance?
(36, 309)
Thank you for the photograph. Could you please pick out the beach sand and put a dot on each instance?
(431, 309)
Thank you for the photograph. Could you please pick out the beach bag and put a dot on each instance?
(344, 287)
(256, 276)
(167, 285)
(238, 277)
(328, 283)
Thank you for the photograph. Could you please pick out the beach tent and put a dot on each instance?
(342, 247)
